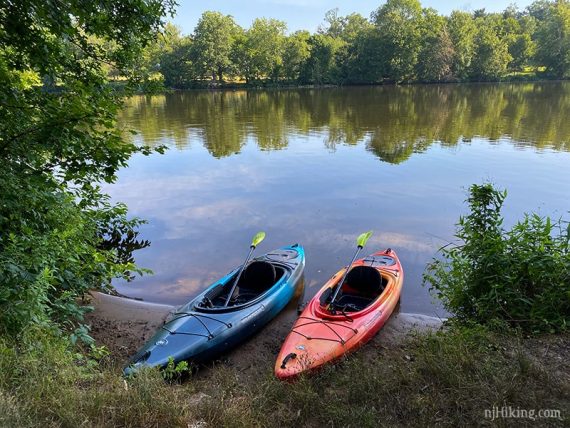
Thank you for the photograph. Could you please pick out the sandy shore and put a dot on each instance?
(123, 325)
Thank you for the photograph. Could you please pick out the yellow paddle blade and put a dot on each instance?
(363, 239)
(259, 236)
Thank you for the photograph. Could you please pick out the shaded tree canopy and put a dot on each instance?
(59, 234)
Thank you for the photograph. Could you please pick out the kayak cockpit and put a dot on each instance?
(363, 285)
(257, 278)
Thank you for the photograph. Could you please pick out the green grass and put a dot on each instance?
(445, 379)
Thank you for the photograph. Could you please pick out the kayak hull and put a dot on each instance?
(197, 334)
(319, 337)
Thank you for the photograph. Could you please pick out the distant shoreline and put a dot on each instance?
(229, 86)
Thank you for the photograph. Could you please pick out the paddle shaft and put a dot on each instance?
(339, 286)
(239, 276)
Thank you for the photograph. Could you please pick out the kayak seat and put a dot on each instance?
(362, 286)
(365, 280)
(257, 277)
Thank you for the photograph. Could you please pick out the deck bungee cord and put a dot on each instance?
(328, 325)
(197, 316)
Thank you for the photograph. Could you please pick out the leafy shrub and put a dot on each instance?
(520, 276)
(174, 372)
(53, 251)
(59, 234)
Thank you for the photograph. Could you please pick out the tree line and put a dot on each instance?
(401, 42)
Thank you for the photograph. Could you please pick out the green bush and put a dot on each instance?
(54, 251)
(59, 234)
(519, 276)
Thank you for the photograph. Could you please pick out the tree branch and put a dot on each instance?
(34, 129)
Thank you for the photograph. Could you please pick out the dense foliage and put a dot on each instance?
(401, 42)
(520, 276)
(59, 234)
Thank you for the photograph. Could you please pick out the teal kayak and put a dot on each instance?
(205, 327)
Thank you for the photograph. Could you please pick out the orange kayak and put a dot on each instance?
(323, 333)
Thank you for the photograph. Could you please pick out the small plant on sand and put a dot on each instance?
(519, 276)
(173, 372)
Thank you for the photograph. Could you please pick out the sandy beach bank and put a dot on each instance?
(123, 325)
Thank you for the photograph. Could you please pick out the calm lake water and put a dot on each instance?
(320, 166)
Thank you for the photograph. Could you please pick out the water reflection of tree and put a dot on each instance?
(394, 122)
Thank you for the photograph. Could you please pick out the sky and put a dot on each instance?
(308, 14)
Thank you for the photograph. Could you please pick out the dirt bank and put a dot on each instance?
(449, 379)
(123, 325)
